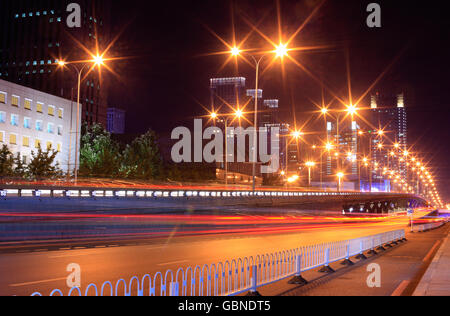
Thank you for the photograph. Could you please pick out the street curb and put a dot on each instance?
(424, 283)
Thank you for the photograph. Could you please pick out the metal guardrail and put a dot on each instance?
(238, 276)
(126, 193)
(429, 226)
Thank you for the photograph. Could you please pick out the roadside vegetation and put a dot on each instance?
(103, 157)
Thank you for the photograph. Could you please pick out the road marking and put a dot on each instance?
(156, 248)
(401, 288)
(430, 253)
(69, 255)
(173, 262)
(37, 282)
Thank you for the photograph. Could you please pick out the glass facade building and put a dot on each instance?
(34, 36)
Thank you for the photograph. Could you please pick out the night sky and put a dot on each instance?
(166, 73)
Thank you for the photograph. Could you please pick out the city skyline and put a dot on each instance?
(224, 148)
(390, 53)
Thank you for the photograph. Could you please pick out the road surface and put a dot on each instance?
(135, 245)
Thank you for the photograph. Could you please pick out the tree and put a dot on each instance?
(99, 154)
(142, 158)
(42, 165)
(20, 169)
(6, 162)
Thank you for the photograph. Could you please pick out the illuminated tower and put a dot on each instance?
(389, 113)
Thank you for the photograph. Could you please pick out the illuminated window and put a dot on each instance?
(13, 139)
(2, 137)
(39, 107)
(51, 110)
(27, 122)
(27, 104)
(50, 128)
(2, 97)
(15, 101)
(26, 141)
(58, 148)
(39, 126)
(37, 143)
(14, 120)
(49, 145)
(60, 113)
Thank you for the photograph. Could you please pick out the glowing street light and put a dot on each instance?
(297, 134)
(352, 110)
(235, 51)
(339, 175)
(98, 61)
(281, 50)
(329, 146)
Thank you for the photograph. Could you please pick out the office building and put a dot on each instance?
(389, 113)
(31, 119)
(228, 94)
(345, 158)
(34, 36)
(116, 121)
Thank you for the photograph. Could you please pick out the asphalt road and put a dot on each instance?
(38, 269)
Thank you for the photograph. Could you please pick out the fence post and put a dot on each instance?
(326, 268)
(381, 248)
(298, 279)
(254, 282)
(361, 255)
(174, 289)
(372, 249)
(347, 261)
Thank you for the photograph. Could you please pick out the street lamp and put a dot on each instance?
(280, 51)
(238, 114)
(97, 61)
(310, 164)
(339, 175)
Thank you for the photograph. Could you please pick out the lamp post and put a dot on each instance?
(310, 164)
(339, 175)
(97, 61)
(238, 114)
(280, 52)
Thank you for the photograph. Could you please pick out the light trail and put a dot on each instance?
(74, 227)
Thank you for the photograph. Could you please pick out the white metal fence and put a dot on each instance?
(237, 276)
(429, 226)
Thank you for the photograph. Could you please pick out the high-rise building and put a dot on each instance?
(116, 121)
(389, 113)
(345, 159)
(227, 94)
(34, 36)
